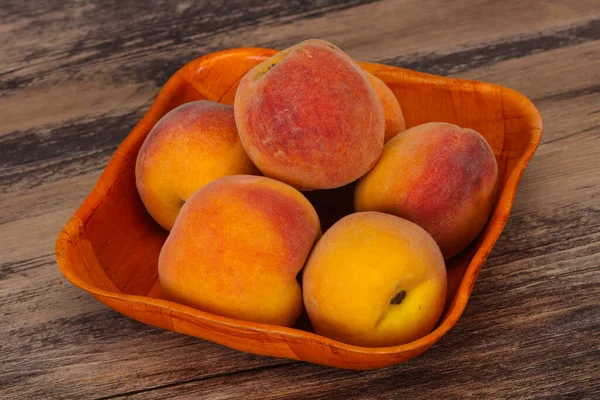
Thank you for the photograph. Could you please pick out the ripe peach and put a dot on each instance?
(394, 118)
(189, 147)
(308, 116)
(236, 248)
(437, 175)
(375, 280)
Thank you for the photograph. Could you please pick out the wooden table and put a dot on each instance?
(75, 78)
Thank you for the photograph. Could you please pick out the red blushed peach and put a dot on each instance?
(394, 118)
(190, 146)
(237, 247)
(437, 175)
(309, 116)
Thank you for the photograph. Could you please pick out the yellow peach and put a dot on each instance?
(374, 280)
(189, 147)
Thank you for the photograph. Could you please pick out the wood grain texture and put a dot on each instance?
(83, 75)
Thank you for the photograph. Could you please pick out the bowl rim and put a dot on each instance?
(120, 161)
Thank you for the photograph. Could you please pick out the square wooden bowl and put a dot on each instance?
(110, 245)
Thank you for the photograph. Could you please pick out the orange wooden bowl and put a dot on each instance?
(110, 246)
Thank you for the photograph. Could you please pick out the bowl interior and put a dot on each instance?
(118, 243)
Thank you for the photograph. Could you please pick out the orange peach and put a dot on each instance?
(376, 280)
(394, 118)
(308, 116)
(236, 248)
(437, 175)
(190, 146)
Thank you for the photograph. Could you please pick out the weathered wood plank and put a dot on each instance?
(85, 33)
(121, 36)
(76, 77)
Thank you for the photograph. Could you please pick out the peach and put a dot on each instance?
(437, 175)
(394, 118)
(189, 147)
(374, 280)
(236, 248)
(308, 116)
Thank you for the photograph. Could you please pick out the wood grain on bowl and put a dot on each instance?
(111, 245)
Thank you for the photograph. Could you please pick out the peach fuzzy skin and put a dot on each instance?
(437, 175)
(375, 280)
(309, 116)
(190, 146)
(236, 248)
(394, 118)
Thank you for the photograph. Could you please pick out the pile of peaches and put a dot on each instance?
(244, 242)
